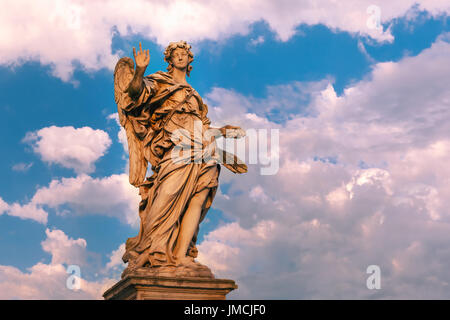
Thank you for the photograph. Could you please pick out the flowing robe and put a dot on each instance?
(175, 180)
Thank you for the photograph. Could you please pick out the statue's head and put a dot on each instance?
(179, 55)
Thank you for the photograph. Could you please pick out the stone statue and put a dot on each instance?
(165, 121)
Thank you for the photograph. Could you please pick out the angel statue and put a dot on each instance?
(162, 115)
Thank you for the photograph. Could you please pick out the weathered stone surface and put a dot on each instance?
(144, 284)
(191, 269)
(175, 199)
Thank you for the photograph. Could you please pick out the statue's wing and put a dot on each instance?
(123, 74)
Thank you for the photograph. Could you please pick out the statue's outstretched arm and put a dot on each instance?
(227, 131)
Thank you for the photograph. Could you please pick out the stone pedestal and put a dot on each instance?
(145, 285)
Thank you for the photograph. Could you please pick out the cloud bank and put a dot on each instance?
(73, 148)
(50, 281)
(68, 33)
(363, 180)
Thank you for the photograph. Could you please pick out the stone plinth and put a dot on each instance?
(148, 286)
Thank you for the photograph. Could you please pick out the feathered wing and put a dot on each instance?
(123, 74)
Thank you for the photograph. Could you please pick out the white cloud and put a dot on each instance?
(224, 249)
(62, 33)
(363, 180)
(311, 230)
(22, 167)
(115, 259)
(111, 196)
(69, 147)
(3, 206)
(122, 135)
(257, 194)
(27, 211)
(42, 281)
(49, 281)
(257, 41)
(64, 250)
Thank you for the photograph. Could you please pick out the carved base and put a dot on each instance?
(191, 269)
(145, 284)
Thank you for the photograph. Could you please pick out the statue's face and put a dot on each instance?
(180, 58)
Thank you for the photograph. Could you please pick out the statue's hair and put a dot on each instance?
(168, 54)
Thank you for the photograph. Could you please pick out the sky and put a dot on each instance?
(358, 92)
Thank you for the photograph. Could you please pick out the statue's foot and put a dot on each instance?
(127, 271)
(188, 266)
(186, 261)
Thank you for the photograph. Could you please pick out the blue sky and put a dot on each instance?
(263, 76)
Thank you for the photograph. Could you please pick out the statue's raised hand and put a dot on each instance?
(142, 57)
